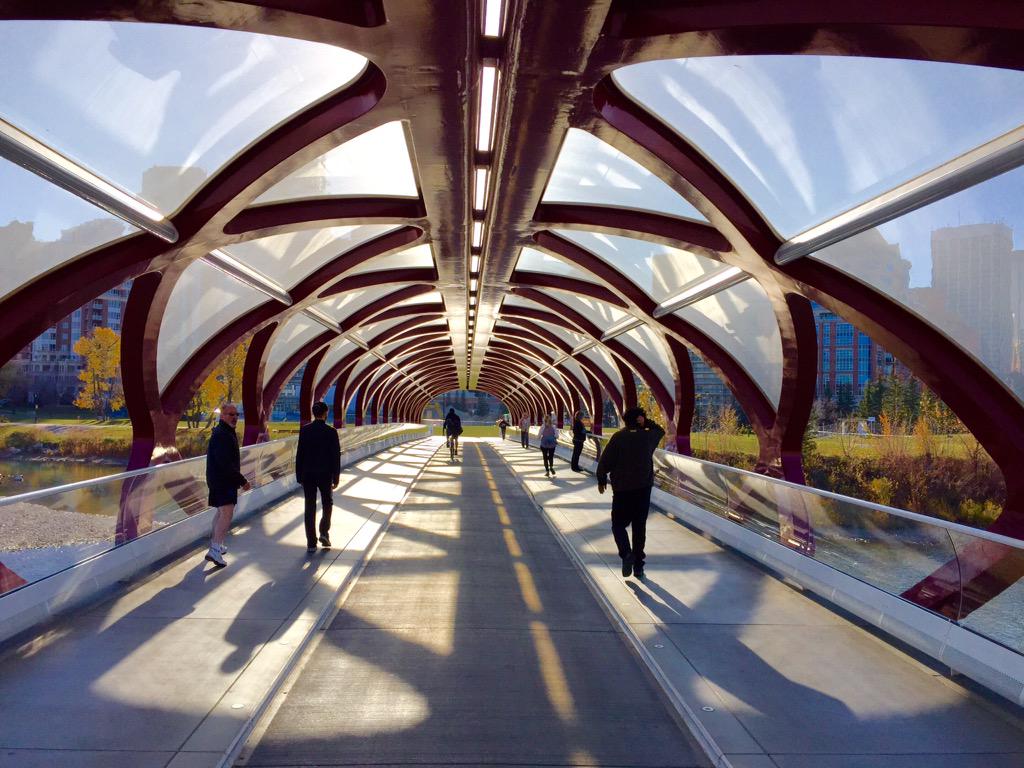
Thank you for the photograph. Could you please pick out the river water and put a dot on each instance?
(37, 475)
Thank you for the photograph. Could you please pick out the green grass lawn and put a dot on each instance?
(959, 446)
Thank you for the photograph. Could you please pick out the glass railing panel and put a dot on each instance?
(45, 532)
(992, 599)
(888, 551)
(699, 483)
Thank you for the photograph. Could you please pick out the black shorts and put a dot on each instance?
(220, 497)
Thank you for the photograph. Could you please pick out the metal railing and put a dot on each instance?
(50, 530)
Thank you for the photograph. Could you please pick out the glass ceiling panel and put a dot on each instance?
(532, 260)
(346, 304)
(335, 353)
(290, 337)
(740, 319)
(419, 256)
(570, 338)
(808, 137)
(374, 163)
(434, 297)
(659, 270)
(595, 173)
(42, 227)
(158, 108)
(599, 357)
(958, 263)
(599, 312)
(361, 367)
(288, 259)
(652, 350)
(368, 332)
(203, 301)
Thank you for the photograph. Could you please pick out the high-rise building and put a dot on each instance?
(976, 275)
(846, 356)
(49, 365)
(711, 392)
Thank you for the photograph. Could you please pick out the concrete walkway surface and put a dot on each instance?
(773, 677)
(470, 639)
(170, 672)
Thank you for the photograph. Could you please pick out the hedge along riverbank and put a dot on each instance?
(968, 490)
(99, 444)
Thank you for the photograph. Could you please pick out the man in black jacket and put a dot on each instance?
(579, 437)
(224, 477)
(318, 468)
(629, 458)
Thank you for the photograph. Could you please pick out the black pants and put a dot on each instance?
(629, 508)
(310, 486)
(524, 438)
(577, 451)
(549, 458)
(503, 433)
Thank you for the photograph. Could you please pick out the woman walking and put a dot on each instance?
(548, 442)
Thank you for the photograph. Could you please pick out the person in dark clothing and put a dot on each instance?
(502, 425)
(318, 469)
(224, 477)
(579, 437)
(452, 427)
(628, 457)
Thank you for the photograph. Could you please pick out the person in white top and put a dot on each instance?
(524, 430)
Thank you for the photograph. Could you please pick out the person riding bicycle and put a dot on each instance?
(452, 425)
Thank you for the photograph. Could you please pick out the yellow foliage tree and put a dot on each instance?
(223, 385)
(101, 378)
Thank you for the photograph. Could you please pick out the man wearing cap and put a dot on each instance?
(224, 477)
(629, 458)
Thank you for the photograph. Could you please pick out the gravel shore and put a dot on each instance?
(32, 526)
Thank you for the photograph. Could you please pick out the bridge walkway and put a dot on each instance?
(470, 638)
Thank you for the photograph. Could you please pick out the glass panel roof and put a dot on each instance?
(532, 260)
(741, 320)
(288, 259)
(599, 312)
(590, 171)
(434, 297)
(600, 357)
(418, 256)
(658, 269)
(289, 338)
(346, 304)
(374, 163)
(959, 263)
(158, 108)
(807, 137)
(203, 301)
(42, 226)
(652, 350)
(371, 331)
(338, 350)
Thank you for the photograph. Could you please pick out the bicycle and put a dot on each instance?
(453, 446)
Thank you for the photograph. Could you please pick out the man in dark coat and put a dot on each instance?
(224, 477)
(629, 457)
(318, 468)
(579, 437)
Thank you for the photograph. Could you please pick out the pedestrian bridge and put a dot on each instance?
(571, 206)
(472, 612)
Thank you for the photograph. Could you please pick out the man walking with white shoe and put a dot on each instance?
(224, 477)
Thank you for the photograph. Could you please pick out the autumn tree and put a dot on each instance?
(223, 385)
(101, 377)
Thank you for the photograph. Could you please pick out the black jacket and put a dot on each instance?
(319, 453)
(629, 457)
(579, 431)
(224, 460)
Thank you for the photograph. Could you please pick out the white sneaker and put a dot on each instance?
(223, 549)
(214, 556)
